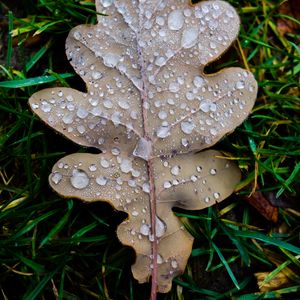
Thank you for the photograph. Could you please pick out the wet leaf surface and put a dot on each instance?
(149, 108)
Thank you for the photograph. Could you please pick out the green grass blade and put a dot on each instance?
(9, 39)
(226, 265)
(21, 83)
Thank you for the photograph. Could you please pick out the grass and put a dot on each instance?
(52, 248)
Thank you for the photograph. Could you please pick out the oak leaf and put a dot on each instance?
(149, 107)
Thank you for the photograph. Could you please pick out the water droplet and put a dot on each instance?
(216, 195)
(213, 131)
(107, 3)
(163, 132)
(184, 142)
(124, 104)
(80, 129)
(213, 171)
(160, 61)
(206, 199)
(111, 60)
(77, 35)
(101, 141)
(160, 227)
(194, 178)
(93, 168)
(240, 85)
(213, 107)
(146, 187)
(189, 37)
(104, 163)
(160, 21)
(145, 229)
(68, 118)
(34, 106)
(198, 81)
(174, 264)
(126, 166)
(143, 149)
(175, 170)
(56, 177)
(205, 106)
(159, 259)
(46, 107)
(96, 75)
(101, 180)
(175, 20)
(133, 115)
(131, 183)
(115, 118)
(187, 127)
(174, 87)
(82, 113)
(79, 179)
(213, 45)
(162, 115)
(167, 184)
(135, 213)
(107, 103)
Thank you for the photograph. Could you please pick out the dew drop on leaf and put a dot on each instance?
(79, 179)
(175, 20)
(160, 227)
(101, 180)
(56, 177)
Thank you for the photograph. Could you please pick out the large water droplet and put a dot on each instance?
(198, 81)
(175, 20)
(175, 170)
(124, 104)
(126, 166)
(145, 229)
(167, 184)
(205, 106)
(79, 179)
(68, 118)
(187, 127)
(104, 163)
(46, 107)
(189, 37)
(163, 132)
(111, 60)
(143, 149)
(56, 177)
(162, 115)
(82, 113)
(160, 227)
(96, 75)
(146, 187)
(107, 3)
(101, 180)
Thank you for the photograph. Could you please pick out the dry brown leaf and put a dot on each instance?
(149, 107)
(263, 206)
(277, 282)
(289, 8)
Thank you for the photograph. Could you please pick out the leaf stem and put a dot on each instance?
(151, 175)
